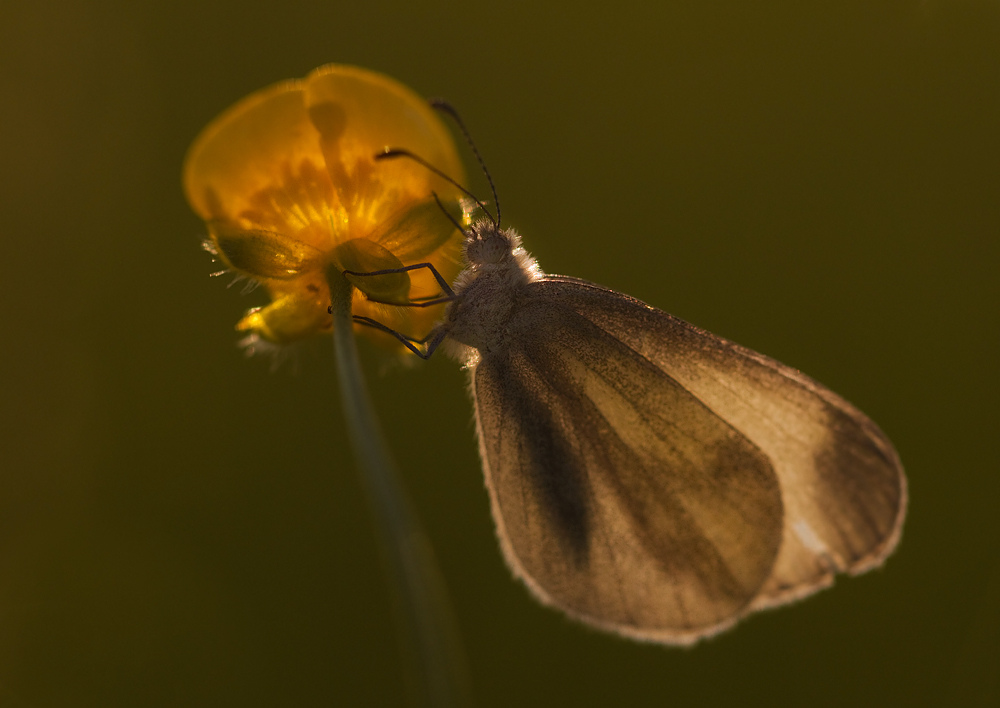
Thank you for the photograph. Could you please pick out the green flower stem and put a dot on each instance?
(431, 643)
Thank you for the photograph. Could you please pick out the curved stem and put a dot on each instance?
(431, 644)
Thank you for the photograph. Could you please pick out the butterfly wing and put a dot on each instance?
(656, 480)
(619, 497)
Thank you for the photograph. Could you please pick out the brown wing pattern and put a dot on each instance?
(619, 496)
(842, 485)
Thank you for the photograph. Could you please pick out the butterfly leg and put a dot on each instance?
(448, 293)
(430, 342)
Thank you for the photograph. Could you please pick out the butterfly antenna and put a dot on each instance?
(442, 105)
(390, 153)
(448, 213)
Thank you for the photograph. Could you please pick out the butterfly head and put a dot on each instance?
(486, 244)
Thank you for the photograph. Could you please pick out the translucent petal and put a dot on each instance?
(419, 229)
(297, 158)
(258, 165)
(357, 114)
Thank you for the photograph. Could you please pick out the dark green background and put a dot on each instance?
(181, 527)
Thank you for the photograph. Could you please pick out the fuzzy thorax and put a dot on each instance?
(486, 291)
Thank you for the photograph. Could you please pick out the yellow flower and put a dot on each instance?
(287, 184)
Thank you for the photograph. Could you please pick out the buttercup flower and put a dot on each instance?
(287, 184)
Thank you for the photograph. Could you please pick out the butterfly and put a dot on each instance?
(647, 477)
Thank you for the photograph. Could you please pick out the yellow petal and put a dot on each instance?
(297, 158)
(258, 166)
(418, 229)
(358, 113)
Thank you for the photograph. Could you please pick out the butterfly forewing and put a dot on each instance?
(842, 486)
(619, 496)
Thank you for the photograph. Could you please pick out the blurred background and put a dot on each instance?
(181, 526)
